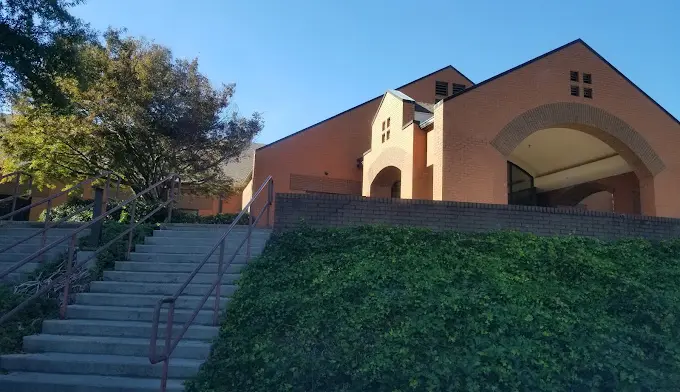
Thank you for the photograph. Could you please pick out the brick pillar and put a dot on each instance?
(474, 171)
(660, 195)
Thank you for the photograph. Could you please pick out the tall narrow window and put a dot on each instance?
(388, 122)
(395, 191)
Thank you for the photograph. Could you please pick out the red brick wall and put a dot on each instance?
(473, 170)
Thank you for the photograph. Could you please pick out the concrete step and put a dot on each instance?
(121, 313)
(160, 289)
(106, 345)
(166, 277)
(103, 365)
(37, 240)
(184, 258)
(14, 257)
(123, 329)
(206, 227)
(136, 300)
(51, 382)
(195, 250)
(231, 242)
(28, 248)
(209, 234)
(28, 267)
(142, 266)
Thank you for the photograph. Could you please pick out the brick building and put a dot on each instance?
(563, 129)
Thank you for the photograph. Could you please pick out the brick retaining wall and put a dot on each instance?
(319, 210)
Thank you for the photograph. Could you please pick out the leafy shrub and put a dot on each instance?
(142, 208)
(28, 322)
(70, 207)
(397, 309)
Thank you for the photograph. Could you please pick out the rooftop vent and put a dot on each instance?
(587, 78)
(441, 88)
(456, 88)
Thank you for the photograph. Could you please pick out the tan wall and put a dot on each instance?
(334, 145)
(475, 171)
(247, 194)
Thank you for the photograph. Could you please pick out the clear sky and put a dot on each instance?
(300, 62)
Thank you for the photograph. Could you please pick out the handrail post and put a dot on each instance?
(171, 199)
(107, 189)
(48, 219)
(131, 233)
(216, 307)
(96, 230)
(270, 200)
(250, 230)
(67, 284)
(16, 194)
(168, 342)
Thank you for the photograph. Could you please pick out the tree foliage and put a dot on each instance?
(143, 116)
(398, 309)
(39, 41)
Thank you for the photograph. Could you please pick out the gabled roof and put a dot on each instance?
(397, 94)
(576, 41)
(369, 101)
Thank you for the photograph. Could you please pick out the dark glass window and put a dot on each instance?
(520, 186)
(395, 191)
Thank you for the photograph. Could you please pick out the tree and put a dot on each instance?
(143, 116)
(39, 40)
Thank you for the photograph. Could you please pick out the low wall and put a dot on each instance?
(319, 210)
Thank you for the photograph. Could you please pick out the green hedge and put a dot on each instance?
(387, 309)
(142, 209)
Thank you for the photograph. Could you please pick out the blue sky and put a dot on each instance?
(300, 62)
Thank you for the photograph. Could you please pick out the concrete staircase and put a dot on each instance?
(11, 232)
(102, 345)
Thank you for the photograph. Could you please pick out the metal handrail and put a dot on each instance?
(173, 195)
(49, 200)
(171, 344)
(17, 183)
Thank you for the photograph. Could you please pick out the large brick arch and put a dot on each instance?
(592, 120)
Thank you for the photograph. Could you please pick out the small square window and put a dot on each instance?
(388, 122)
(383, 138)
(575, 91)
(388, 135)
(573, 76)
(587, 78)
(588, 93)
(383, 126)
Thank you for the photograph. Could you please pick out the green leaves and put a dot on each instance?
(399, 309)
(143, 115)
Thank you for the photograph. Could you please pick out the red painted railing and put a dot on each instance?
(170, 183)
(170, 343)
(49, 224)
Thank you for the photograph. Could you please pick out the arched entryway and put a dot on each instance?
(567, 146)
(387, 183)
